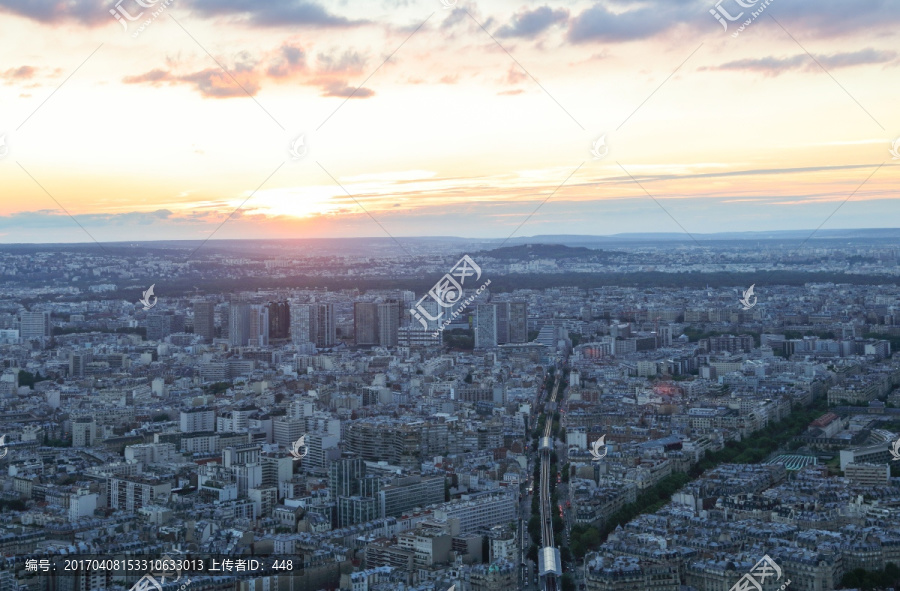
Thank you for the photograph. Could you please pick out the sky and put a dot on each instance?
(304, 119)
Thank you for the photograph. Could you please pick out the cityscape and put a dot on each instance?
(449, 295)
(588, 436)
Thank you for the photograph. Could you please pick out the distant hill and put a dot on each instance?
(527, 252)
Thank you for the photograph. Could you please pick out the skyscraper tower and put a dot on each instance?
(365, 323)
(279, 320)
(388, 323)
(205, 320)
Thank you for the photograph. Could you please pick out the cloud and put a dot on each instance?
(211, 82)
(773, 66)
(268, 13)
(275, 13)
(631, 20)
(597, 23)
(531, 23)
(54, 218)
(247, 76)
(20, 73)
(337, 88)
(349, 61)
(291, 61)
(86, 12)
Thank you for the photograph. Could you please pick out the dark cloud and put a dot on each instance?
(268, 13)
(630, 20)
(531, 23)
(86, 12)
(597, 23)
(773, 66)
(275, 13)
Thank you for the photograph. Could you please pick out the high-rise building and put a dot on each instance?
(388, 323)
(313, 323)
(502, 323)
(327, 329)
(304, 323)
(259, 326)
(365, 323)
(34, 325)
(239, 325)
(205, 320)
(344, 475)
(279, 320)
(485, 326)
(518, 322)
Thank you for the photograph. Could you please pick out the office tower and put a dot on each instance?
(353, 490)
(365, 323)
(205, 320)
(259, 326)
(485, 326)
(518, 322)
(326, 336)
(238, 324)
(388, 323)
(502, 323)
(34, 325)
(344, 475)
(304, 323)
(279, 320)
(248, 325)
